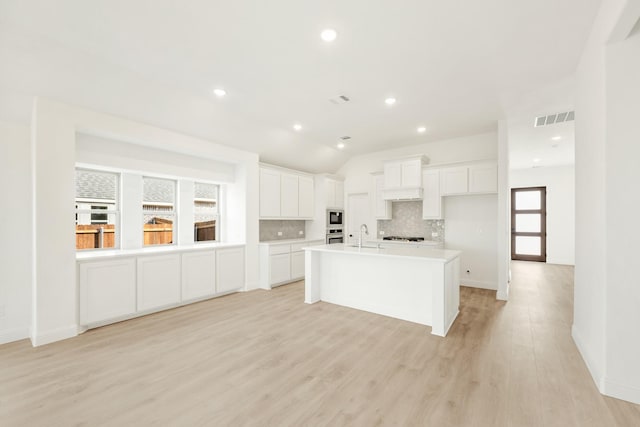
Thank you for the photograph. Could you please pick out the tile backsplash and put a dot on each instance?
(290, 230)
(407, 222)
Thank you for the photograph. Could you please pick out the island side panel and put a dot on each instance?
(392, 286)
(452, 292)
(438, 299)
(312, 278)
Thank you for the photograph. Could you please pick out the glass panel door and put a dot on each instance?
(528, 224)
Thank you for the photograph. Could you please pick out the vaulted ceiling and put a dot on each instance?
(454, 67)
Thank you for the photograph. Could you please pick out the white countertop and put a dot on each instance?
(399, 242)
(150, 250)
(289, 241)
(426, 253)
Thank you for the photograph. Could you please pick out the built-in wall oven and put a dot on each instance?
(335, 218)
(334, 235)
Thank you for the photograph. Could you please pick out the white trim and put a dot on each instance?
(597, 379)
(621, 391)
(54, 335)
(11, 335)
(480, 284)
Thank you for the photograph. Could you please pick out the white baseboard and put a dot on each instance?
(478, 284)
(59, 334)
(11, 335)
(250, 286)
(621, 391)
(595, 375)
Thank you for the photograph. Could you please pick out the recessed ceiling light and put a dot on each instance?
(556, 138)
(390, 101)
(297, 127)
(536, 160)
(219, 92)
(328, 35)
(340, 145)
(422, 129)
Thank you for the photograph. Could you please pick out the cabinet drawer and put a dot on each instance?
(297, 247)
(279, 249)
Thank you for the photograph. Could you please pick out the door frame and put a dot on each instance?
(543, 225)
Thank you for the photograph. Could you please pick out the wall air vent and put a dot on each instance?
(551, 119)
(340, 99)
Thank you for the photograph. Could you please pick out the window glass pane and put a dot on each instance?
(528, 200)
(158, 199)
(528, 245)
(96, 205)
(528, 223)
(205, 208)
(158, 229)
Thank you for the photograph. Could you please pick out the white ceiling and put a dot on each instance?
(455, 67)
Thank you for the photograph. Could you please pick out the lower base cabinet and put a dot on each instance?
(107, 290)
(282, 263)
(126, 286)
(297, 264)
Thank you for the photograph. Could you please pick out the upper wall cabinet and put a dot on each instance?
(335, 194)
(432, 201)
(403, 179)
(285, 195)
(382, 207)
(473, 179)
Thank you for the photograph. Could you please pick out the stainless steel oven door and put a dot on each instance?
(335, 218)
(334, 238)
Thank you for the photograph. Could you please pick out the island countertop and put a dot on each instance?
(426, 253)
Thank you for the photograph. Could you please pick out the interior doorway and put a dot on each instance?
(529, 224)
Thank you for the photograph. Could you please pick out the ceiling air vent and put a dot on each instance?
(551, 119)
(340, 99)
(345, 138)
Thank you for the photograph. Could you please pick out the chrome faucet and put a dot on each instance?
(363, 229)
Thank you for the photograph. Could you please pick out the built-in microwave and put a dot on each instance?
(335, 218)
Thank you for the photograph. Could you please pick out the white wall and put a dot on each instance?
(15, 229)
(54, 133)
(560, 183)
(607, 297)
(357, 172)
(622, 378)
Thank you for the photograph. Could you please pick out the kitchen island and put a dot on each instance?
(417, 284)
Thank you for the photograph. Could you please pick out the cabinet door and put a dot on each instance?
(279, 268)
(198, 274)
(483, 179)
(297, 265)
(411, 173)
(107, 290)
(453, 181)
(305, 197)
(432, 201)
(269, 193)
(288, 196)
(393, 175)
(229, 269)
(158, 281)
(331, 193)
(339, 194)
(382, 207)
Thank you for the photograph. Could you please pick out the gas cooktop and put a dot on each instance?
(404, 239)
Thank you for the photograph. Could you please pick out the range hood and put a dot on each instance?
(403, 193)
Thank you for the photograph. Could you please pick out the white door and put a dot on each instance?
(357, 214)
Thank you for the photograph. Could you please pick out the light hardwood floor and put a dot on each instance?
(267, 359)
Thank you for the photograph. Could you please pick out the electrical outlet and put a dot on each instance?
(381, 232)
(434, 234)
(301, 232)
(279, 233)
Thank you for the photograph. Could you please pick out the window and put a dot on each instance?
(205, 208)
(158, 211)
(97, 211)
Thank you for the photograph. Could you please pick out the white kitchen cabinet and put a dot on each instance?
(279, 268)
(288, 196)
(404, 173)
(305, 197)
(282, 263)
(269, 193)
(432, 200)
(335, 194)
(107, 290)
(382, 207)
(392, 175)
(229, 269)
(198, 274)
(483, 178)
(158, 281)
(297, 265)
(454, 180)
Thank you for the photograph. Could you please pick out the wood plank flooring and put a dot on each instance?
(267, 359)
